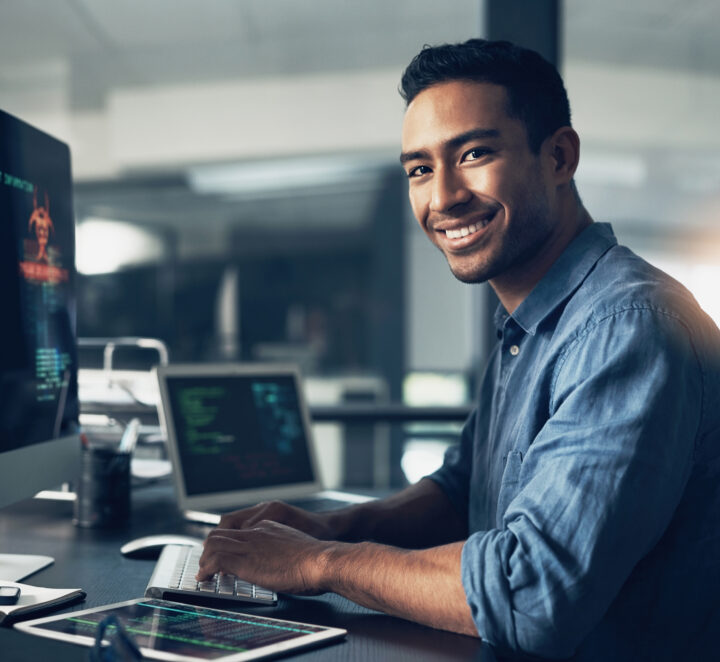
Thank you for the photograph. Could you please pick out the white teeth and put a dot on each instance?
(464, 232)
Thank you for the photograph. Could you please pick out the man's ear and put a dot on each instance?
(564, 151)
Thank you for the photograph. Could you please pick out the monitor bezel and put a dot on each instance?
(40, 464)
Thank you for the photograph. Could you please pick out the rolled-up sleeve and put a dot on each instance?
(595, 490)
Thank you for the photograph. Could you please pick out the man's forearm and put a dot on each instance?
(419, 516)
(419, 585)
(422, 585)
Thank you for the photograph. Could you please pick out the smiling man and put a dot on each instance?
(580, 514)
(497, 208)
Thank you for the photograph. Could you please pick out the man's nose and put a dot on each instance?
(449, 189)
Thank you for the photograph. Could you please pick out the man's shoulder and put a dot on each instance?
(627, 307)
(623, 281)
(626, 301)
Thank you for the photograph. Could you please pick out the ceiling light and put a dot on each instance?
(104, 246)
(259, 176)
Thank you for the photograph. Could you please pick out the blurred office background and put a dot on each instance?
(238, 193)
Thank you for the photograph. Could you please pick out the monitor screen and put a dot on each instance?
(239, 432)
(39, 446)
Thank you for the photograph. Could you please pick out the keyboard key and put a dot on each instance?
(180, 575)
(226, 585)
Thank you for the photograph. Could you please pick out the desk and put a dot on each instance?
(90, 559)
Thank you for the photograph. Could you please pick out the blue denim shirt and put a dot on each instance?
(589, 471)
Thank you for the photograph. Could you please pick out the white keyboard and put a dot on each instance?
(174, 577)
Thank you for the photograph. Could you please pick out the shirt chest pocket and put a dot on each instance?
(509, 485)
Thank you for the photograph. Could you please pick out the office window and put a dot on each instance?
(644, 84)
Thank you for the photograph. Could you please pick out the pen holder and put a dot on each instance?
(103, 488)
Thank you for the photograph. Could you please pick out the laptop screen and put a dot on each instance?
(238, 432)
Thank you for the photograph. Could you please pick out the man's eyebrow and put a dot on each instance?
(473, 134)
(413, 156)
(453, 143)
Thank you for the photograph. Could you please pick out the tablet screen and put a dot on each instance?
(180, 630)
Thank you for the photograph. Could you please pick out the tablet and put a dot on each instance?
(172, 631)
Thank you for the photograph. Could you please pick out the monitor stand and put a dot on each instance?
(15, 567)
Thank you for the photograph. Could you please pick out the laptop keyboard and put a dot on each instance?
(174, 577)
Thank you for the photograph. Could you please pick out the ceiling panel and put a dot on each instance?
(162, 23)
(34, 31)
(108, 43)
(661, 34)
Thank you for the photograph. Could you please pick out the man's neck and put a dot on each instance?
(513, 286)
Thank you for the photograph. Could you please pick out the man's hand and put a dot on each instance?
(419, 516)
(272, 555)
(317, 525)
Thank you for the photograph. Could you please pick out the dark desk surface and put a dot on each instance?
(90, 559)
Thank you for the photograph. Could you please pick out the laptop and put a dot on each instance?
(239, 434)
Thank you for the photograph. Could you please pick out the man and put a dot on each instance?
(580, 514)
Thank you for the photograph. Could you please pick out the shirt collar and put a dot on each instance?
(563, 278)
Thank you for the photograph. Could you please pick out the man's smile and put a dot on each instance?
(463, 234)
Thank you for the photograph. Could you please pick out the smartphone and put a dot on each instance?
(9, 595)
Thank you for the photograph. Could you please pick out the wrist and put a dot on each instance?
(328, 565)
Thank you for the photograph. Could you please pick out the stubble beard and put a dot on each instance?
(530, 230)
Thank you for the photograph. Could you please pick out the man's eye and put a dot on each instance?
(418, 171)
(475, 153)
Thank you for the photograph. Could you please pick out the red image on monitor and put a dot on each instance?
(40, 218)
(40, 263)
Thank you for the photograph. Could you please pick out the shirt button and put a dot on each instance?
(514, 350)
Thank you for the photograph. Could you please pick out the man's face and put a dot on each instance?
(479, 193)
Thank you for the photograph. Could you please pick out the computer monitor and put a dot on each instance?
(39, 440)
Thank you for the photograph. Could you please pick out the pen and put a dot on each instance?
(130, 436)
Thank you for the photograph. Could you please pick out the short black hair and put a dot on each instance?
(536, 93)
